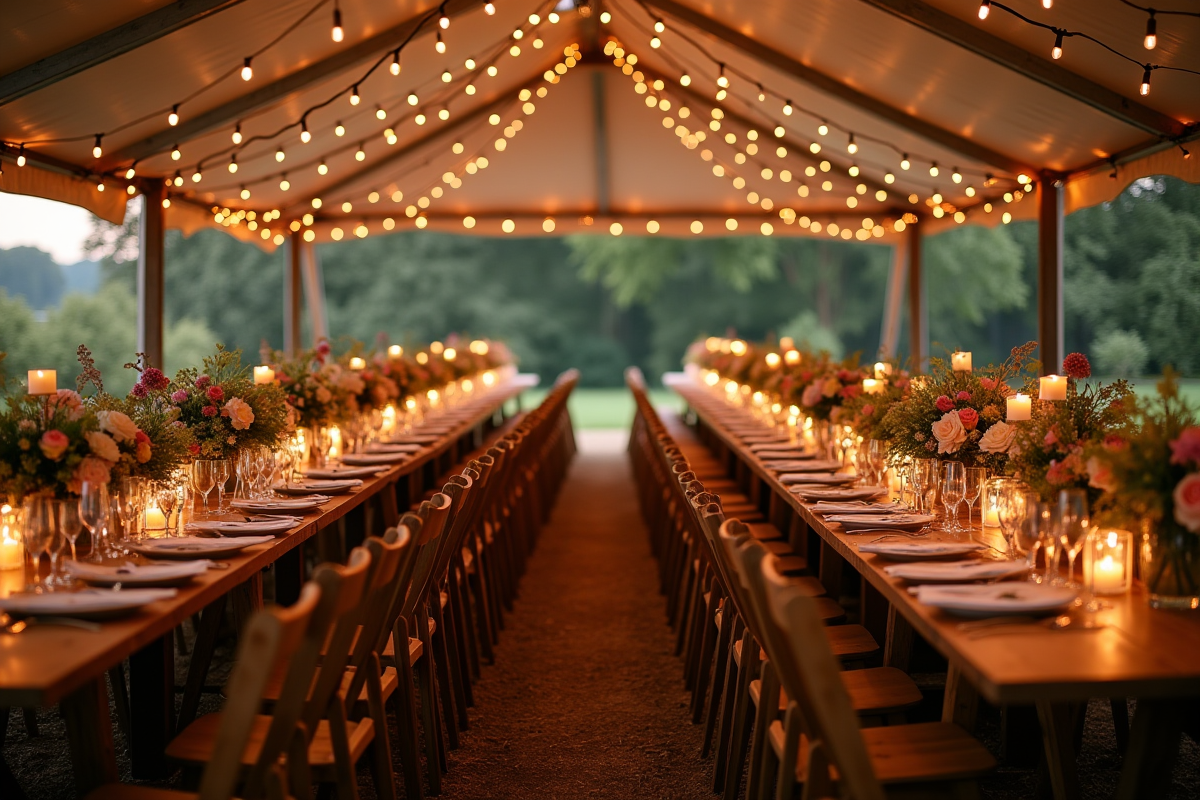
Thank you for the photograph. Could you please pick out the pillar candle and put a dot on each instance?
(357, 363)
(1019, 407)
(882, 370)
(395, 351)
(961, 361)
(43, 381)
(872, 386)
(12, 553)
(156, 520)
(1053, 387)
(263, 375)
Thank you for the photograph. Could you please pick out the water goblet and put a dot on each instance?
(954, 488)
(1074, 525)
(930, 475)
(93, 513)
(1031, 532)
(41, 526)
(224, 469)
(1011, 511)
(975, 478)
(70, 524)
(204, 478)
(55, 547)
(166, 497)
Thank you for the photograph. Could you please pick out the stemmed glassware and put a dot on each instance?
(133, 499)
(224, 469)
(1011, 511)
(204, 478)
(1074, 525)
(975, 478)
(954, 488)
(55, 547)
(93, 513)
(1035, 526)
(69, 527)
(166, 497)
(877, 458)
(925, 480)
(41, 526)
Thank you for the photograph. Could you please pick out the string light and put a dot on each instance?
(284, 183)
(339, 130)
(823, 128)
(413, 99)
(175, 153)
(489, 8)
(322, 168)
(247, 70)
(1056, 53)
(233, 165)
(305, 136)
(98, 151)
(354, 97)
(1047, 3)
(659, 26)
(722, 81)
(469, 63)
(605, 17)
(21, 159)
(1145, 88)
(395, 67)
(787, 108)
(360, 154)
(933, 170)
(129, 173)
(851, 145)
(178, 179)
(443, 20)
(380, 114)
(337, 33)
(245, 194)
(173, 117)
(237, 134)
(196, 176)
(439, 45)
(534, 19)
(1151, 40)
(984, 8)
(956, 176)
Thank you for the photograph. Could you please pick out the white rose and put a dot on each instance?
(240, 413)
(949, 432)
(122, 428)
(998, 438)
(103, 446)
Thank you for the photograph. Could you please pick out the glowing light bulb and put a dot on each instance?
(413, 99)
(245, 194)
(851, 145)
(173, 117)
(380, 113)
(305, 136)
(339, 130)
(360, 154)
(439, 45)
(354, 97)
(659, 26)
(534, 19)
(285, 184)
(469, 63)
(175, 154)
(233, 164)
(956, 176)
(823, 129)
(1151, 40)
(337, 33)
(129, 173)
(1145, 90)
(443, 21)
(1056, 52)
(904, 162)
(247, 70)
(787, 108)
(685, 80)
(655, 42)
(280, 155)
(447, 77)
(605, 17)
(322, 169)
(196, 176)
(1047, 3)
(933, 170)
(395, 67)
(985, 8)
(489, 8)
(98, 151)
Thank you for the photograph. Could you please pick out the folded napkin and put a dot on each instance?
(804, 465)
(131, 574)
(184, 544)
(858, 507)
(823, 478)
(954, 571)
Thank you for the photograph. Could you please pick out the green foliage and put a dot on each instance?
(32, 274)
(1119, 352)
(809, 334)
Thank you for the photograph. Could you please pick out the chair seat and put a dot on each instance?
(415, 649)
(918, 753)
(791, 565)
(195, 744)
(879, 690)
(764, 532)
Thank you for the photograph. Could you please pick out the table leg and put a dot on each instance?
(898, 642)
(289, 575)
(151, 706)
(960, 704)
(202, 653)
(830, 570)
(1058, 734)
(1153, 749)
(89, 735)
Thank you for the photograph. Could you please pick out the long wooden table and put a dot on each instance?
(45, 665)
(1151, 655)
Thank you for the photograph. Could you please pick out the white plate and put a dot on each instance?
(143, 575)
(824, 479)
(336, 472)
(227, 527)
(901, 549)
(798, 454)
(903, 522)
(814, 493)
(766, 447)
(196, 546)
(414, 438)
(997, 599)
(955, 571)
(317, 487)
(858, 507)
(87, 604)
(367, 459)
(805, 465)
(282, 505)
(388, 447)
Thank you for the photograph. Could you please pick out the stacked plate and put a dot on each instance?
(310, 487)
(804, 465)
(225, 527)
(394, 447)
(857, 507)
(899, 521)
(196, 546)
(339, 471)
(997, 600)
(821, 478)
(956, 571)
(137, 575)
(285, 505)
(909, 550)
(813, 493)
(86, 604)
(368, 459)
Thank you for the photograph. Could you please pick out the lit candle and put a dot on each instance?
(882, 370)
(357, 364)
(872, 386)
(1108, 576)
(43, 381)
(156, 520)
(1108, 561)
(12, 552)
(263, 375)
(961, 361)
(991, 513)
(1019, 406)
(1053, 387)
(395, 351)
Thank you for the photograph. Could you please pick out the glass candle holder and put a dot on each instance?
(990, 510)
(1108, 561)
(12, 549)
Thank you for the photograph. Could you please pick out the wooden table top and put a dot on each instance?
(1140, 652)
(42, 664)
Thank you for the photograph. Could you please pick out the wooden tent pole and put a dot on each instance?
(150, 283)
(918, 313)
(889, 335)
(1050, 271)
(314, 292)
(291, 295)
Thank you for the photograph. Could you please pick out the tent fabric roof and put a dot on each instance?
(596, 146)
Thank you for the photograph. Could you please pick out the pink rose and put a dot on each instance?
(988, 383)
(964, 395)
(180, 396)
(1100, 475)
(53, 444)
(943, 403)
(239, 412)
(811, 395)
(203, 381)
(969, 418)
(215, 393)
(868, 410)
(949, 432)
(1187, 502)
(209, 411)
(998, 438)
(90, 470)
(1186, 448)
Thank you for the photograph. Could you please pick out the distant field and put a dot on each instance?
(613, 408)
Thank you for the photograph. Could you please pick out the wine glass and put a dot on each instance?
(954, 488)
(975, 478)
(55, 547)
(1011, 511)
(93, 512)
(204, 478)
(930, 473)
(224, 469)
(70, 524)
(877, 458)
(1032, 531)
(41, 526)
(132, 505)
(165, 495)
(1074, 525)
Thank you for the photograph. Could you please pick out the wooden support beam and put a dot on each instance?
(292, 289)
(314, 292)
(1046, 72)
(151, 285)
(600, 142)
(832, 86)
(889, 334)
(918, 312)
(107, 45)
(1050, 272)
(351, 57)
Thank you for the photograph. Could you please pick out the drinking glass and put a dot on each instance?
(954, 489)
(914, 477)
(70, 523)
(204, 478)
(55, 547)
(166, 497)
(1031, 531)
(224, 469)
(93, 512)
(929, 470)
(41, 526)
(132, 505)
(877, 458)
(976, 477)
(1074, 525)
(1011, 511)
(243, 468)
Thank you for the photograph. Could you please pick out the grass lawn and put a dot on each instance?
(613, 408)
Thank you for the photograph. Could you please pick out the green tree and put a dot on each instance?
(31, 273)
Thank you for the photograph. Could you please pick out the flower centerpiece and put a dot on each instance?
(958, 415)
(222, 408)
(826, 386)
(866, 411)
(1149, 479)
(1048, 451)
(312, 386)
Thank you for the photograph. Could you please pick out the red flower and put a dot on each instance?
(154, 379)
(141, 437)
(988, 383)
(1076, 365)
(203, 381)
(969, 417)
(944, 403)
(209, 411)
(139, 390)
(215, 393)
(194, 449)
(964, 395)
(1186, 448)
(868, 410)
